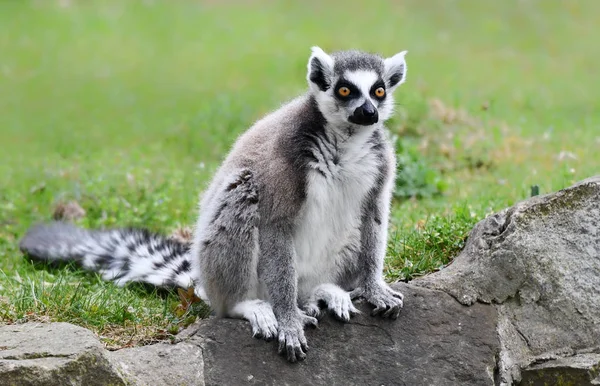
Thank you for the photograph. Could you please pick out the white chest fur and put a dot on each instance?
(328, 231)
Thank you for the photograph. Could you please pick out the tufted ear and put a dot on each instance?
(395, 70)
(320, 70)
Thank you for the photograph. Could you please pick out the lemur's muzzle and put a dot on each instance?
(365, 114)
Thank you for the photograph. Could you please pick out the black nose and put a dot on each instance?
(365, 114)
(368, 110)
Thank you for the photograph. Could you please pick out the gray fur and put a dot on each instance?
(356, 60)
(229, 248)
(55, 241)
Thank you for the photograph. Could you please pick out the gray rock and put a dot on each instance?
(161, 364)
(539, 263)
(53, 354)
(435, 341)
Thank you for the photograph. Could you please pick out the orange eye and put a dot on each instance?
(344, 91)
(380, 92)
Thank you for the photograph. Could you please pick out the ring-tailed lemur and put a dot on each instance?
(296, 215)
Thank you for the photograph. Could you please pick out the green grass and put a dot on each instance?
(128, 107)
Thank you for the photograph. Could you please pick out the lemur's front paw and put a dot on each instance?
(335, 298)
(292, 342)
(387, 302)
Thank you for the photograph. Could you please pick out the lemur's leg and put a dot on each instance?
(371, 284)
(276, 269)
(234, 252)
(228, 254)
(337, 300)
(227, 250)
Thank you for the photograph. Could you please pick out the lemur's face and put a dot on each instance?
(353, 87)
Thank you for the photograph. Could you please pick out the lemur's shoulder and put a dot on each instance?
(276, 149)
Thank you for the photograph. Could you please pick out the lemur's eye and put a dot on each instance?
(380, 92)
(344, 91)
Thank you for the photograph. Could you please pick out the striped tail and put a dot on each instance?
(120, 255)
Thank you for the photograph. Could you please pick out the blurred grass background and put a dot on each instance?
(128, 107)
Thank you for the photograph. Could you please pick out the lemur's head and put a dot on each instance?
(353, 86)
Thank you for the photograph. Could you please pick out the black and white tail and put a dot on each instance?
(120, 255)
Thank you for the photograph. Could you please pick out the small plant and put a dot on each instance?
(430, 245)
(415, 178)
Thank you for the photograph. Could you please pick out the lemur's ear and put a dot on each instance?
(320, 70)
(395, 70)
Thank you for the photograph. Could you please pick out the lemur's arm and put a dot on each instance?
(374, 242)
(276, 269)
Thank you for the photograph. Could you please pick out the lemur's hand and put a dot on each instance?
(292, 341)
(387, 302)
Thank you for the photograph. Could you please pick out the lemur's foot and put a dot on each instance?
(292, 342)
(261, 317)
(387, 302)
